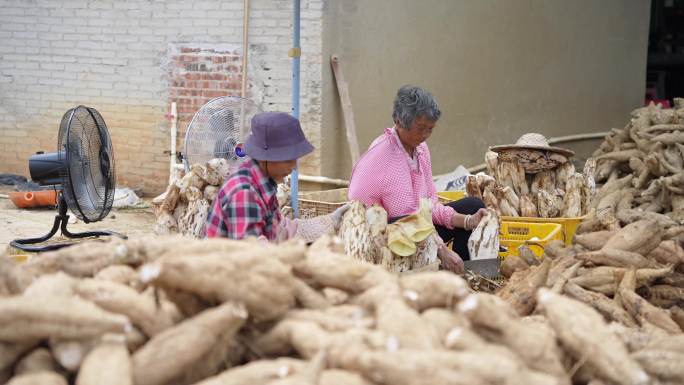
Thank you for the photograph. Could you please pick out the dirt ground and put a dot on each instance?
(28, 223)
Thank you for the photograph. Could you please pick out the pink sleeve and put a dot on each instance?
(367, 180)
(441, 214)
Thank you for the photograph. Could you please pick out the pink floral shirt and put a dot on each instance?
(384, 176)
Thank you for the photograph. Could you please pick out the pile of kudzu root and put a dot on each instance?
(516, 188)
(184, 206)
(641, 165)
(632, 277)
(175, 310)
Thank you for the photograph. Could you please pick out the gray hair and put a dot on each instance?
(413, 102)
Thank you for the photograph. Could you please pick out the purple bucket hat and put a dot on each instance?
(276, 137)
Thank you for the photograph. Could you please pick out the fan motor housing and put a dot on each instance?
(45, 168)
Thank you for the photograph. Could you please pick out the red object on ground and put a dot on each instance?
(26, 199)
(664, 102)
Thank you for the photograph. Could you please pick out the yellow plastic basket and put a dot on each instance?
(569, 225)
(450, 196)
(534, 235)
(317, 203)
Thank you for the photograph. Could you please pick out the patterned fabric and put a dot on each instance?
(385, 177)
(245, 206)
(311, 229)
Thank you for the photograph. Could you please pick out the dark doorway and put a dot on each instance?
(665, 68)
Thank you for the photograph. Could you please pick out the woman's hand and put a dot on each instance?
(338, 215)
(450, 260)
(476, 218)
(468, 222)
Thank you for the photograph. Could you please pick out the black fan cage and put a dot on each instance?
(88, 178)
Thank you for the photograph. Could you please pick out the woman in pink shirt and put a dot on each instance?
(396, 172)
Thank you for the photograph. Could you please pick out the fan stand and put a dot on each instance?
(61, 221)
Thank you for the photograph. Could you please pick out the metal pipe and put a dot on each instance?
(295, 53)
(473, 169)
(324, 180)
(560, 139)
(576, 137)
(174, 138)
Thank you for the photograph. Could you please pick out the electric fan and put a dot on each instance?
(82, 170)
(217, 131)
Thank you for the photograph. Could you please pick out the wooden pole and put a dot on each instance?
(347, 111)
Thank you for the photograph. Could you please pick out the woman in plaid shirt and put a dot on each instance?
(246, 205)
(396, 172)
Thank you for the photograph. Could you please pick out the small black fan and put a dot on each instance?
(82, 170)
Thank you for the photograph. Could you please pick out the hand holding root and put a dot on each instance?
(467, 221)
(451, 261)
(475, 219)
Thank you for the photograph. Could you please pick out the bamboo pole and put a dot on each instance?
(245, 47)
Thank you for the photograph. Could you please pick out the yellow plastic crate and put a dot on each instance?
(569, 225)
(534, 235)
(450, 196)
(18, 258)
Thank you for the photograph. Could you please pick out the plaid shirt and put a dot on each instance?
(246, 205)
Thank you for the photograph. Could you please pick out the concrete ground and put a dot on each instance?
(28, 223)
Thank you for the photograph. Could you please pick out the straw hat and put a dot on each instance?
(533, 141)
(533, 153)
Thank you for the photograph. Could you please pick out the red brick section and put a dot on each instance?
(199, 75)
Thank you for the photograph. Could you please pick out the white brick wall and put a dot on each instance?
(112, 55)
